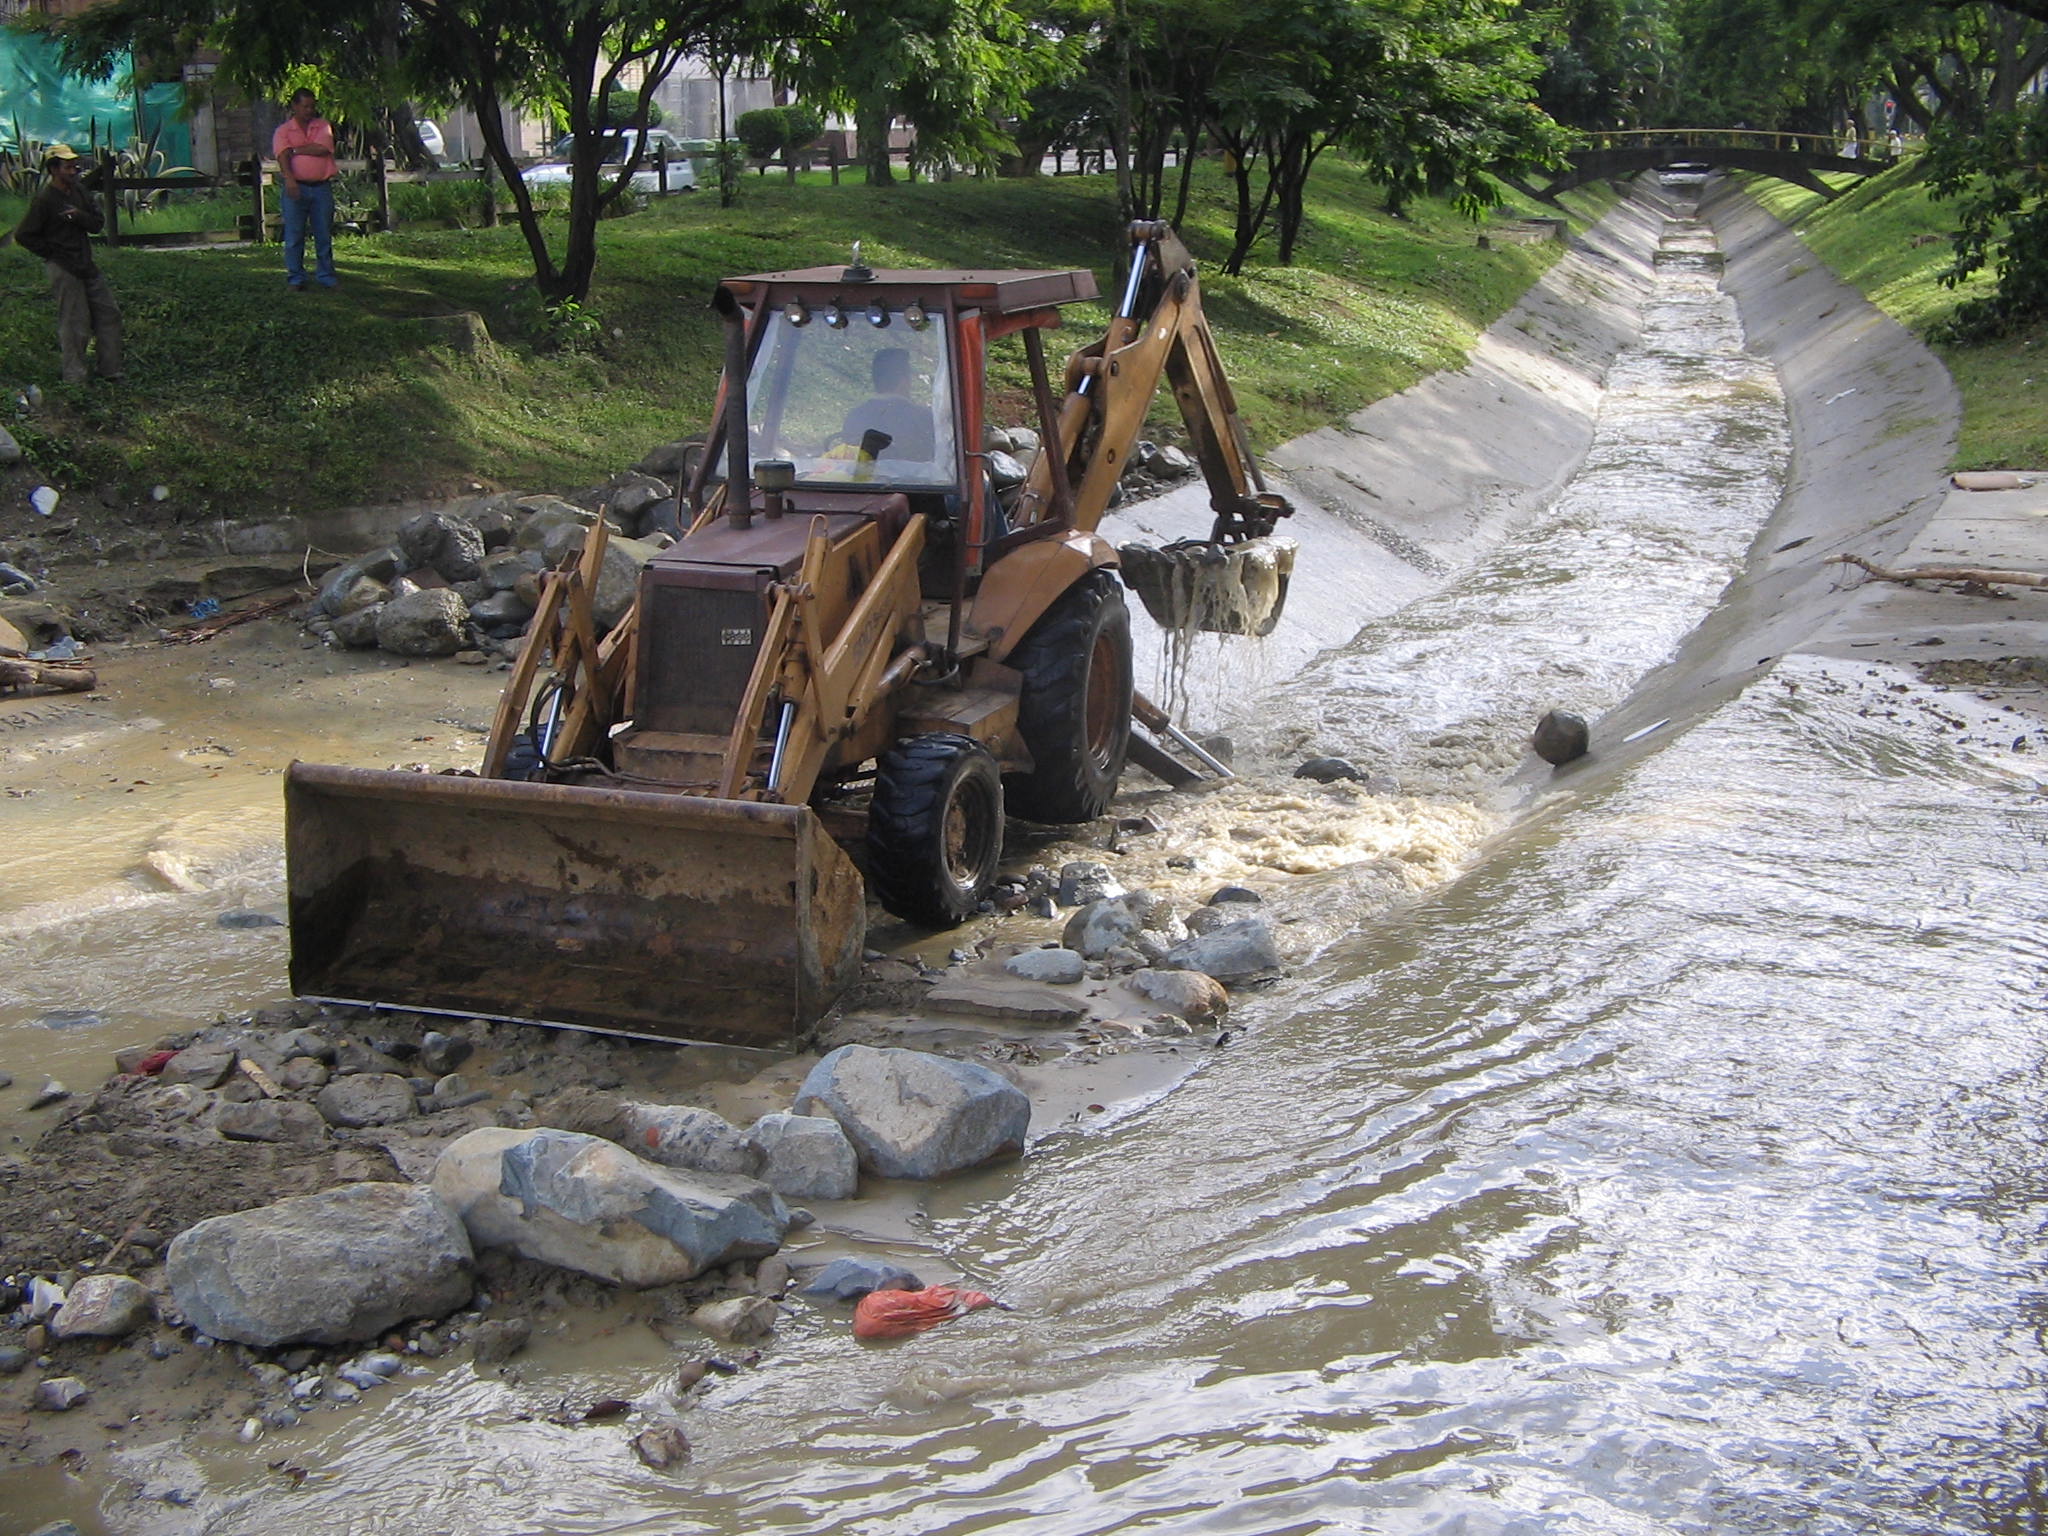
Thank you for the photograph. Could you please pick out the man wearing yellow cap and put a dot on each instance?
(58, 227)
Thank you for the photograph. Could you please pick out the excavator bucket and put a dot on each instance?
(1225, 589)
(644, 914)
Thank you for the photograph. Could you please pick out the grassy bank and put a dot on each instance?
(1886, 236)
(246, 398)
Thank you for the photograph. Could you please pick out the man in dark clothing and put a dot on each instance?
(58, 227)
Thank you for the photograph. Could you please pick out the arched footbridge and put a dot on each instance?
(1795, 157)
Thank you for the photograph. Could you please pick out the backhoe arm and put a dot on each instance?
(1159, 332)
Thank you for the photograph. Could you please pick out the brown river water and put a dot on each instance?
(1653, 1153)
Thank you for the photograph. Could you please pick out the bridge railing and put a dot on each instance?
(1723, 138)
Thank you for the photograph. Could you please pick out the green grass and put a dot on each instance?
(1888, 238)
(249, 399)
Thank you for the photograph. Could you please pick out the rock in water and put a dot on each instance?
(911, 1115)
(661, 1447)
(1561, 737)
(331, 1268)
(1328, 770)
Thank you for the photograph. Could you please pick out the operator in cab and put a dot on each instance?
(903, 423)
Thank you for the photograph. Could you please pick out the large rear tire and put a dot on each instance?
(1075, 711)
(935, 829)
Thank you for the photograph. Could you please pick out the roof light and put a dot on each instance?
(878, 314)
(835, 316)
(795, 313)
(915, 317)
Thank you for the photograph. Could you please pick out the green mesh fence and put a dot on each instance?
(41, 104)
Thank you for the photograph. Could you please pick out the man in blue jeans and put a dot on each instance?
(303, 147)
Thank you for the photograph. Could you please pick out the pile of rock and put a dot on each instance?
(466, 578)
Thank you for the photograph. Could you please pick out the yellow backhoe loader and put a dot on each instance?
(862, 638)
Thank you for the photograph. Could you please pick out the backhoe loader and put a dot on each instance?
(861, 639)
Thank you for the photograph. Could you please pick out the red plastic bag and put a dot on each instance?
(899, 1314)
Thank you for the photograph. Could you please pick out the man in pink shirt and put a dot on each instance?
(303, 147)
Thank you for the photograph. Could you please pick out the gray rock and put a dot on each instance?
(850, 1279)
(441, 1054)
(203, 1066)
(59, 1394)
(366, 593)
(13, 1359)
(52, 1092)
(806, 1157)
(1328, 770)
(911, 1115)
(426, 623)
(586, 1204)
(1084, 881)
(1236, 895)
(1006, 998)
(737, 1319)
(301, 1074)
(371, 1098)
(618, 580)
(362, 1056)
(1239, 951)
(1005, 470)
(285, 1120)
(378, 565)
(244, 917)
(56, 1528)
(332, 1268)
(103, 1307)
(10, 450)
(502, 571)
(683, 1136)
(70, 1018)
(359, 1378)
(1055, 967)
(662, 1446)
(547, 514)
(1172, 464)
(1561, 737)
(506, 611)
(451, 547)
(358, 631)
(1119, 922)
(1188, 995)
(499, 1339)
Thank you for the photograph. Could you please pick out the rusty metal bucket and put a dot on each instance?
(1198, 584)
(633, 913)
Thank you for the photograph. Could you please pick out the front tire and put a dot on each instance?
(935, 829)
(1075, 710)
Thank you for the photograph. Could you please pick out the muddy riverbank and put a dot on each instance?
(1836, 501)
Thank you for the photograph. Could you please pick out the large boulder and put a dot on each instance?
(911, 1115)
(378, 565)
(332, 1268)
(806, 1157)
(366, 1099)
(1239, 951)
(428, 622)
(583, 1203)
(451, 547)
(684, 1136)
(1138, 920)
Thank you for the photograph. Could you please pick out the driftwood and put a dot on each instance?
(206, 629)
(68, 677)
(1981, 577)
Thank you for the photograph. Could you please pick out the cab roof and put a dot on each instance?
(1004, 292)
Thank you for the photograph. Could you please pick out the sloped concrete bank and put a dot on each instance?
(1398, 498)
(1873, 416)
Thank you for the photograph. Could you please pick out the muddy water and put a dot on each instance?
(1663, 1160)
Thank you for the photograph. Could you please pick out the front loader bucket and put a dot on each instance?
(1224, 589)
(642, 914)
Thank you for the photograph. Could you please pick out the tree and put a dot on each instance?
(1997, 174)
(573, 55)
(956, 69)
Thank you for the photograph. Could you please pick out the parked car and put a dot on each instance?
(682, 174)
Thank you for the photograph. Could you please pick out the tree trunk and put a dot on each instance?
(871, 126)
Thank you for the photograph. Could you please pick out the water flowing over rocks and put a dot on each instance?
(331, 1268)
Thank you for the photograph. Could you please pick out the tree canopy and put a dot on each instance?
(573, 55)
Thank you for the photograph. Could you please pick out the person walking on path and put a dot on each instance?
(303, 147)
(58, 227)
